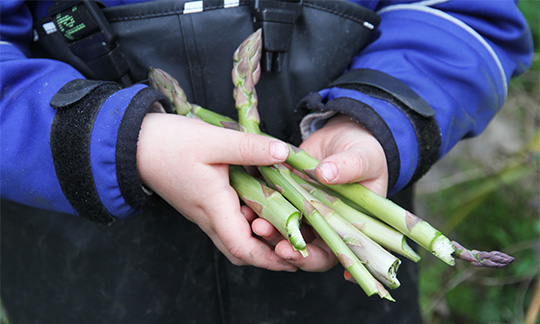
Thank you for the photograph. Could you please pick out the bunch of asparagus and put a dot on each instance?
(360, 227)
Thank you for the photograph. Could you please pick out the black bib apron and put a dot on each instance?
(157, 267)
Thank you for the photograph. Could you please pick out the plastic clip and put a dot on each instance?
(277, 19)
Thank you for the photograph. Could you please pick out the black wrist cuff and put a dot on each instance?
(130, 184)
(78, 104)
(421, 115)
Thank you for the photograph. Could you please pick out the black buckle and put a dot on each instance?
(277, 19)
(90, 37)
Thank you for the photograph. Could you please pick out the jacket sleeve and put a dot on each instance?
(436, 73)
(78, 157)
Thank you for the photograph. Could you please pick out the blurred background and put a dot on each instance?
(486, 195)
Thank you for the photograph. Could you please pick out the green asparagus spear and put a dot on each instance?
(278, 176)
(245, 75)
(169, 86)
(270, 205)
(373, 228)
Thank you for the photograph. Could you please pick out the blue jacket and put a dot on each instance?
(456, 55)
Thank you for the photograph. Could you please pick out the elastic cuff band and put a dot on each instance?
(129, 182)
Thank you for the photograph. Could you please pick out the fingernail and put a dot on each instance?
(279, 150)
(329, 171)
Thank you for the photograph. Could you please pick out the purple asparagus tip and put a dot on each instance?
(493, 259)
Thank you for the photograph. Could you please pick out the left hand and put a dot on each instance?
(348, 153)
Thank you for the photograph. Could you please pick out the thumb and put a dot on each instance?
(233, 147)
(357, 164)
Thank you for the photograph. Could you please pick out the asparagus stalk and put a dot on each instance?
(270, 205)
(278, 176)
(214, 118)
(373, 228)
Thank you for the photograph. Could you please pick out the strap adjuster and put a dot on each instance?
(277, 19)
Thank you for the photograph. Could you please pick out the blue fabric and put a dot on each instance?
(103, 151)
(439, 51)
(27, 173)
(457, 55)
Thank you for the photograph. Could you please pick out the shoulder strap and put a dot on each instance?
(79, 33)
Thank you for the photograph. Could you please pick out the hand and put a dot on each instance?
(185, 161)
(348, 153)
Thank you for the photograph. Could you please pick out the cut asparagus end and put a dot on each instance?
(380, 265)
(443, 248)
(408, 251)
(279, 177)
(294, 235)
(383, 293)
(268, 204)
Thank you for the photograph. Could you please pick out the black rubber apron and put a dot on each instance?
(158, 267)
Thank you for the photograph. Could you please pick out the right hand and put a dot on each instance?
(185, 161)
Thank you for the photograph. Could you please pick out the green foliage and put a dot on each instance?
(496, 209)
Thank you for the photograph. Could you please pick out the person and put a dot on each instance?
(85, 143)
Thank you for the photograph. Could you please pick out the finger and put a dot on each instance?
(248, 213)
(267, 231)
(233, 147)
(353, 165)
(320, 258)
(234, 232)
